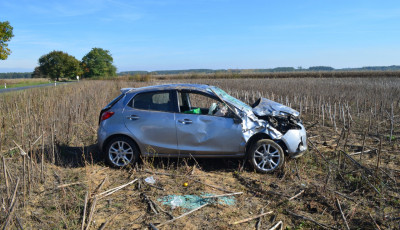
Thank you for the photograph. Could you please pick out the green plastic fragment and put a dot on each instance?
(193, 111)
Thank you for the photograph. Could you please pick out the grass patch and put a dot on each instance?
(23, 84)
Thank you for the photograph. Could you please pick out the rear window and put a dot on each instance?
(113, 102)
(158, 101)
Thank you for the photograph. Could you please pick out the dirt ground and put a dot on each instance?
(305, 194)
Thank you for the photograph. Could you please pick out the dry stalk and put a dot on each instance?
(159, 208)
(297, 195)
(259, 222)
(149, 202)
(6, 178)
(100, 185)
(280, 223)
(111, 191)
(154, 186)
(11, 206)
(310, 219)
(362, 152)
(91, 213)
(70, 184)
(252, 218)
(20, 148)
(109, 220)
(362, 173)
(84, 210)
(341, 212)
(363, 145)
(42, 160)
(379, 155)
(185, 214)
(153, 227)
(376, 225)
(229, 194)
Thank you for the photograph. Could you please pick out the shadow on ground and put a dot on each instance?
(68, 156)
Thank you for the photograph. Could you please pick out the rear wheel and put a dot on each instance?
(266, 156)
(121, 151)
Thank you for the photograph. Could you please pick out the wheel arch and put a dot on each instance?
(259, 136)
(107, 141)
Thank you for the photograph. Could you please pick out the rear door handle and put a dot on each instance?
(185, 121)
(133, 117)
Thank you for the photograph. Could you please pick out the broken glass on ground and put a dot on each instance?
(190, 202)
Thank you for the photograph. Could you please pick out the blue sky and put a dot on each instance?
(216, 34)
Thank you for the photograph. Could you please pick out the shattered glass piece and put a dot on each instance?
(190, 202)
(176, 202)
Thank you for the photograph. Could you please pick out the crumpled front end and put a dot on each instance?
(295, 141)
(279, 122)
(252, 125)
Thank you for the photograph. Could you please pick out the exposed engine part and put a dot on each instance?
(282, 123)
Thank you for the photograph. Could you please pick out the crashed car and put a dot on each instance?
(191, 120)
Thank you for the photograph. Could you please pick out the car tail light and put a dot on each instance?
(106, 115)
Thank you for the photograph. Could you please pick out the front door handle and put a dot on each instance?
(185, 121)
(133, 117)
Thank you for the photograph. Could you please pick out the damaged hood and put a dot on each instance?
(266, 107)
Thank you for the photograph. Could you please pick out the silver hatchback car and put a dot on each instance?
(190, 120)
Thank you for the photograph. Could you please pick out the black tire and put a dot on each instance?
(120, 152)
(266, 156)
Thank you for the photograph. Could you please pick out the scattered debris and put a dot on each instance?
(150, 180)
(191, 202)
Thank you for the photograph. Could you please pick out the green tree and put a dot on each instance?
(58, 64)
(36, 73)
(6, 33)
(98, 63)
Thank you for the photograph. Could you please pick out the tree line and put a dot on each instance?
(58, 64)
(15, 75)
(271, 70)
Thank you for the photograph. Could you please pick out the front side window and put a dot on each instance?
(196, 103)
(158, 101)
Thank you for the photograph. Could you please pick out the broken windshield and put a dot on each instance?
(228, 98)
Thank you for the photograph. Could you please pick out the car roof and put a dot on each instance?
(198, 87)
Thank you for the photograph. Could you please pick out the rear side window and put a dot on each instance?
(158, 101)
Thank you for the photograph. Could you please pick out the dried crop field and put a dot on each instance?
(53, 177)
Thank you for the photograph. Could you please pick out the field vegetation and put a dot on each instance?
(21, 82)
(53, 176)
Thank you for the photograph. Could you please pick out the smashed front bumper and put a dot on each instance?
(295, 141)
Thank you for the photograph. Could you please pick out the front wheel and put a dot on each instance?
(120, 152)
(266, 156)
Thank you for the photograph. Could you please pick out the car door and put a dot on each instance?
(150, 117)
(201, 132)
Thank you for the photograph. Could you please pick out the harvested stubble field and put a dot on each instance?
(53, 177)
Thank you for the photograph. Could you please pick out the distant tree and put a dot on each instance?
(283, 69)
(6, 33)
(58, 64)
(321, 68)
(98, 63)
